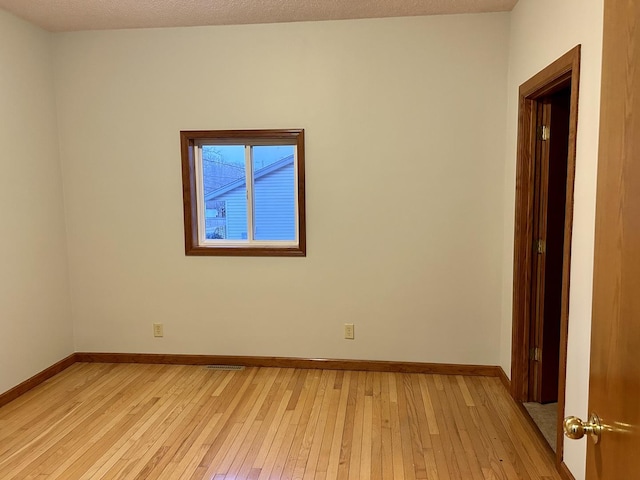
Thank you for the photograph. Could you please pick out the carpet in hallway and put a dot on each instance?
(545, 417)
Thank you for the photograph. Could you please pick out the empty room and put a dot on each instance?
(286, 239)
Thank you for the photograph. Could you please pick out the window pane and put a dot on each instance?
(274, 215)
(225, 197)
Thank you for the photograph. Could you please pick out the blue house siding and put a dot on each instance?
(236, 215)
(274, 206)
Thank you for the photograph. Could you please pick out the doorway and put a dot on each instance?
(550, 189)
(542, 251)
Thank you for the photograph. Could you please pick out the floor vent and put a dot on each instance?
(225, 367)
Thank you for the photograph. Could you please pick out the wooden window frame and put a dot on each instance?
(189, 142)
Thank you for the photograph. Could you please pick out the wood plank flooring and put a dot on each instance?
(123, 421)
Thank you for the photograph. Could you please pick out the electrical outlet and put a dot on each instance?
(158, 330)
(349, 331)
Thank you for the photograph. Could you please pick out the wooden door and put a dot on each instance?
(614, 392)
(552, 151)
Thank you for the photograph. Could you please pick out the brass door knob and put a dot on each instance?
(574, 428)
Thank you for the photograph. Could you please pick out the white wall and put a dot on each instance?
(35, 318)
(541, 31)
(405, 122)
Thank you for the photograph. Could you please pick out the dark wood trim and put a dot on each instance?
(253, 137)
(281, 362)
(504, 379)
(292, 362)
(302, 216)
(563, 72)
(188, 140)
(564, 472)
(37, 379)
(522, 255)
(198, 251)
(568, 234)
(189, 195)
(551, 78)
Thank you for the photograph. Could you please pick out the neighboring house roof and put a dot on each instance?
(216, 173)
(283, 162)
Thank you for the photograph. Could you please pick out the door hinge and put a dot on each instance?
(541, 246)
(543, 133)
(535, 354)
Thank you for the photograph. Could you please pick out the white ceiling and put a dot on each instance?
(73, 15)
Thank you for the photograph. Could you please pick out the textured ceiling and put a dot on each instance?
(71, 15)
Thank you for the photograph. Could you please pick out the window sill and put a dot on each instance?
(199, 251)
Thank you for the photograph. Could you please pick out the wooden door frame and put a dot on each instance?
(562, 73)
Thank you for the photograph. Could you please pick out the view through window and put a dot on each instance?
(248, 191)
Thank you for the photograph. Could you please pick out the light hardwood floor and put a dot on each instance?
(122, 421)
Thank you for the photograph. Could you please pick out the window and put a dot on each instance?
(243, 192)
